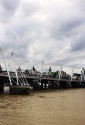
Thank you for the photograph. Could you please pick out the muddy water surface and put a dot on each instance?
(60, 107)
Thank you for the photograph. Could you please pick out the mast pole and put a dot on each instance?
(6, 65)
(41, 70)
(60, 73)
(12, 53)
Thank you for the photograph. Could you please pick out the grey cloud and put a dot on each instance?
(8, 8)
(78, 44)
(35, 35)
(62, 61)
(67, 23)
(67, 28)
(80, 5)
(14, 43)
(30, 8)
(9, 5)
(75, 66)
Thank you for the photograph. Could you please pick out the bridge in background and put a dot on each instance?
(42, 82)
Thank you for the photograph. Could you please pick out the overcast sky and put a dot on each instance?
(49, 30)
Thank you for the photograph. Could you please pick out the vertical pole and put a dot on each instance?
(84, 74)
(15, 68)
(41, 70)
(6, 65)
(59, 76)
(42, 65)
(60, 72)
(72, 74)
(81, 75)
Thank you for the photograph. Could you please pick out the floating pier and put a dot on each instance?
(15, 90)
(19, 90)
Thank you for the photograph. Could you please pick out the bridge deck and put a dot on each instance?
(42, 78)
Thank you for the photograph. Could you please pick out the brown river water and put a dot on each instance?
(55, 107)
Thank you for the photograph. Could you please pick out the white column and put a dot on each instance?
(60, 72)
(72, 74)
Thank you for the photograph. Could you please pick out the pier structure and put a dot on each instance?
(17, 84)
(38, 83)
(55, 80)
(20, 81)
(41, 82)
